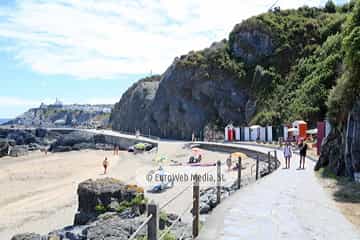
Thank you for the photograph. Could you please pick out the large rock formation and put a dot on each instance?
(102, 215)
(64, 115)
(186, 99)
(129, 113)
(340, 151)
(102, 195)
(251, 43)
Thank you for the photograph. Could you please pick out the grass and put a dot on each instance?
(100, 208)
(346, 190)
(139, 199)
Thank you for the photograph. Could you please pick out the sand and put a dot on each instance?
(38, 192)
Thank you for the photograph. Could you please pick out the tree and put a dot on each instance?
(330, 7)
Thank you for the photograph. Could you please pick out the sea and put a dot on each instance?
(4, 120)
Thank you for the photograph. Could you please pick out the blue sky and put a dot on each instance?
(89, 51)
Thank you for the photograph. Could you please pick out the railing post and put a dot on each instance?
(276, 159)
(153, 224)
(218, 182)
(196, 208)
(257, 167)
(269, 162)
(239, 174)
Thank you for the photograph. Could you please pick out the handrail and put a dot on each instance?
(175, 221)
(173, 198)
(140, 227)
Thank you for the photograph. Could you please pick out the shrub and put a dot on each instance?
(100, 208)
(330, 7)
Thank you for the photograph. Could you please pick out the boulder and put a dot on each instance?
(19, 150)
(73, 138)
(4, 147)
(115, 228)
(104, 146)
(101, 195)
(27, 236)
(60, 149)
(84, 145)
(41, 132)
(22, 137)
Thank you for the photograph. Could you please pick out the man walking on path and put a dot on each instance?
(303, 149)
(287, 154)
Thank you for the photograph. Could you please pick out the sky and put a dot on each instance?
(88, 51)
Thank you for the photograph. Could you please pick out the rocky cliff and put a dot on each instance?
(64, 116)
(259, 75)
(192, 93)
(340, 151)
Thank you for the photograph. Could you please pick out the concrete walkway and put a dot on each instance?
(288, 204)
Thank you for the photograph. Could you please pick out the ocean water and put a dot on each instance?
(4, 120)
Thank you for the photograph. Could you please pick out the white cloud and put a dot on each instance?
(101, 39)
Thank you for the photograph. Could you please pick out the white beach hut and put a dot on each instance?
(246, 134)
(237, 133)
(269, 133)
(255, 132)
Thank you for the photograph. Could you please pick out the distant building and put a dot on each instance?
(57, 103)
(43, 105)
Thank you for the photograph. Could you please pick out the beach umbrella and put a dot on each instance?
(238, 154)
(196, 149)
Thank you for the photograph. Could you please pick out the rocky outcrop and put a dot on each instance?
(352, 146)
(18, 150)
(5, 144)
(187, 99)
(340, 151)
(104, 195)
(250, 43)
(64, 115)
(102, 217)
(79, 140)
(27, 236)
(332, 153)
(129, 113)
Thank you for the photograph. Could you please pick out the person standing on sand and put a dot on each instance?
(105, 165)
(287, 154)
(303, 149)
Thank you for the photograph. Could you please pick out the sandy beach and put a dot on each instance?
(39, 192)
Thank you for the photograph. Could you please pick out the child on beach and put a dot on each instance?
(105, 164)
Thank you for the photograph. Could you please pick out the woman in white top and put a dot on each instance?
(287, 154)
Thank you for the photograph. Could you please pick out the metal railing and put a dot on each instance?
(152, 220)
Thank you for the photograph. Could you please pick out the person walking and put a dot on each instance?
(303, 148)
(105, 165)
(287, 154)
(229, 162)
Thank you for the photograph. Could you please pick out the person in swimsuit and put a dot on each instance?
(105, 165)
(303, 148)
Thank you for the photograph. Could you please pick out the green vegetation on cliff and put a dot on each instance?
(301, 59)
(276, 67)
(347, 89)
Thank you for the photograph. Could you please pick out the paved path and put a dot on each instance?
(288, 204)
